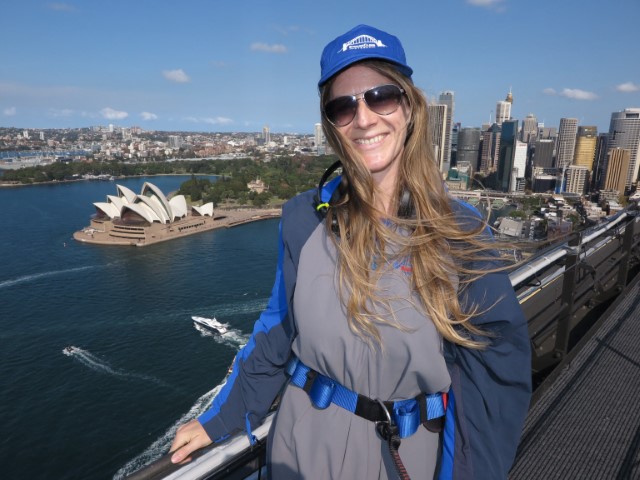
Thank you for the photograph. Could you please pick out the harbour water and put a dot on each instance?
(140, 367)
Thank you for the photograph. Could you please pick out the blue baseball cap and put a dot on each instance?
(361, 43)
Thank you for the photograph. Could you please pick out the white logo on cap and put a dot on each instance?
(360, 42)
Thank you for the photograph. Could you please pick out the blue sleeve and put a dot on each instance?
(490, 388)
(258, 372)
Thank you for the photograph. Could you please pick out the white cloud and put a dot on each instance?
(287, 30)
(578, 94)
(628, 87)
(491, 4)
(209, 120)
(264, 47)
(177, 76)
(149, 116)
(574, 93)
(62, 7)
(60, 112)
(219, 64)
(111, 114)
(9, 111)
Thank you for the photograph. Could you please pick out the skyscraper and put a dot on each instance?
(600, 162)
(617, 168)
(319, 138)
(624, 132)
(469, 147)
(517, 183)
(490, 149)
(529, 128)
(447, 98)
(566, 143)
(266, 134)
(585, 147)
(503, 111)
(576, 179)
(543, 153)
(506, 155)
(438, 132)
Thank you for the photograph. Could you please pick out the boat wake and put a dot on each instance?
(220, 332)
(38, 276)
(96, 363)
(161, 446)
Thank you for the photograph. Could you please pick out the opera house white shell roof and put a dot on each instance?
(151, 205)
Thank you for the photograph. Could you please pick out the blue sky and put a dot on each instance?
(225, 66)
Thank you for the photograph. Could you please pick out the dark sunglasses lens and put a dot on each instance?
(340, 111)
(383, 100)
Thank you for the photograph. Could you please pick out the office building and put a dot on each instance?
(319, 138)
(503, 111)
(600, 163)
(566, 143)
(490, 149)
(468, 149)
(266, 134)
(447, 98)
(624, 132)
(585, 150)
(543, 150)
(577, 177)
(506, 155)
(438, 132)
(519, 165)
(529, 128)
(618, 166)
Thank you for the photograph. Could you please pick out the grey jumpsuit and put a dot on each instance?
(306, 442)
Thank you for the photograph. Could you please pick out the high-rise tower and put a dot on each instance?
(506, 155)
(503, 111)
(624, 132)
(529, 128)
(585, 147)
(438, 132)
(447, 98)
(566, 143)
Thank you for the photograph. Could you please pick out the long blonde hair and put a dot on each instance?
(439, 245)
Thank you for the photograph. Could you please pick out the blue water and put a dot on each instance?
(141, 367)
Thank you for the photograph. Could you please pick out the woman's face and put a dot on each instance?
(378, 138)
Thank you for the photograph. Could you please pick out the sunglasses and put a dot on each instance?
(383, 100)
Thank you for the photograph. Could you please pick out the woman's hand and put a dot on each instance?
(189, 438)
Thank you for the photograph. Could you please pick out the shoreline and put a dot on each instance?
(72, 180)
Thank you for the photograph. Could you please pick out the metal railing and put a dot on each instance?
(559, 291)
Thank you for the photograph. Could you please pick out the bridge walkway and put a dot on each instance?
(584, 422)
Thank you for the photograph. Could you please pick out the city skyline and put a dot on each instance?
(203, 66)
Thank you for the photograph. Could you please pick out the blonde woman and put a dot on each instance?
(396, 335)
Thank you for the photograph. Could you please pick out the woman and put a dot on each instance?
(389, 306)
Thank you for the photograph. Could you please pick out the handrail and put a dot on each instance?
(206, 462)
(220, 461)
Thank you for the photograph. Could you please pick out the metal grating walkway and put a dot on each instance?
(586, 425)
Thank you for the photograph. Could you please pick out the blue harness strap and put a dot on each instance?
(407, 415)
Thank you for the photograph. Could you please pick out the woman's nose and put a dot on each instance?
(364, 115)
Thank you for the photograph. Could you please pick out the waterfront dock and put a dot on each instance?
(584, 421)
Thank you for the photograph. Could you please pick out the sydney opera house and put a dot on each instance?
(131, 219)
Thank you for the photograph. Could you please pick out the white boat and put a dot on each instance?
(211, 324)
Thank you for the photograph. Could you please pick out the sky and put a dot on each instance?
(236, 66)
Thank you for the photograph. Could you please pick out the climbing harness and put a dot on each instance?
(393, 420)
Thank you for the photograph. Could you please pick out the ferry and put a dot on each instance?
(211, 324)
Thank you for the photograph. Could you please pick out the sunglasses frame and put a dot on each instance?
(362, 96)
